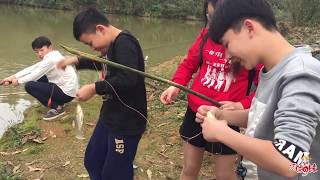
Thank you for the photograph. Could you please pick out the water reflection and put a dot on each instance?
(11, 113)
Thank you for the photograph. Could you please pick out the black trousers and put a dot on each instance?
(42, 90)
(110, 155)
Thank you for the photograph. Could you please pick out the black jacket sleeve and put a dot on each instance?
(85, 63)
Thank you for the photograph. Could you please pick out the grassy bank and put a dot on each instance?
(37, 149)
(50, 150)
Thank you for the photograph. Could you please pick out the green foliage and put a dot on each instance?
(35, 150)
(13, 137)
(6, 173)
(302, 12)
(163, 8)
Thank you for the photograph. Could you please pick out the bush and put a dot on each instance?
(304, 12)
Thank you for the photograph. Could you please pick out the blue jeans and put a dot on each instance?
(109, 155)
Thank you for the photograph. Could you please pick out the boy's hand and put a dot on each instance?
(229, 105)
(4, 83)
(169, 95)
(15, 82)
(203, 111)
(86, 92)
(7, 81)
(212, 128)
(68, 60)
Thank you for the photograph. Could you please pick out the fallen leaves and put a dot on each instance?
(39, 141)
(66, 164)
(91, 124)
(41, 177)
(34, 169)
(30, 163)
(33, 137)
(83, 176)
(163, 155)
(149, 173)
(163, 124)
(16, 169)
(12, 153)
(52, 134)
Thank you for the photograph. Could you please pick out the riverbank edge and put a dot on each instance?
(66, 7)
(159, 150)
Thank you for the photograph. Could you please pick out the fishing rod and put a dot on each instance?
(120, 66)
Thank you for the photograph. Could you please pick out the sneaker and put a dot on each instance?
(53, 114)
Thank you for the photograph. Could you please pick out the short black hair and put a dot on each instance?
(86, 21)
(231, 13)
(40, 41)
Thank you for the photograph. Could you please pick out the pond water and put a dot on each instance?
(161, 40)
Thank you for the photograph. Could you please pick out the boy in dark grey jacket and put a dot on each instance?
(282, 139)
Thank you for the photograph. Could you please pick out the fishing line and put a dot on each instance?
(137, 111)
(116, 65)
(115, 92)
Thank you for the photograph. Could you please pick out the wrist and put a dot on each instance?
(76, 60)
(93, 88)
(220, 114)
(240, 105)
(224, 134)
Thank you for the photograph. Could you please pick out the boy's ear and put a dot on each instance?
(100, 28)
(248, 24)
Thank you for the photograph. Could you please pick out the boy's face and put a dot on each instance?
(241, 47)
(41, 52)
(98, 41)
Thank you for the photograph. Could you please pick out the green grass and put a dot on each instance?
(34, 150)
(6, 173)
(13, 137)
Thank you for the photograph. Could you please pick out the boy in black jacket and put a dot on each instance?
(113, 145)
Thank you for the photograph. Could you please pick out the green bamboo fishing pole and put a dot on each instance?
(119, 66)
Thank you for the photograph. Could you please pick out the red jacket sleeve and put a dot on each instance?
(190, 64)
(246, 101)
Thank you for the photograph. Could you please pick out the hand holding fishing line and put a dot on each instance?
(15, 82)
(169, 95)
(211, 124)
(86, 92)
(116, 65)
(7, 81)
(204, 110)
(10, 81)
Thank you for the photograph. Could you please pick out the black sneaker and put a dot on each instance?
(53, 114)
